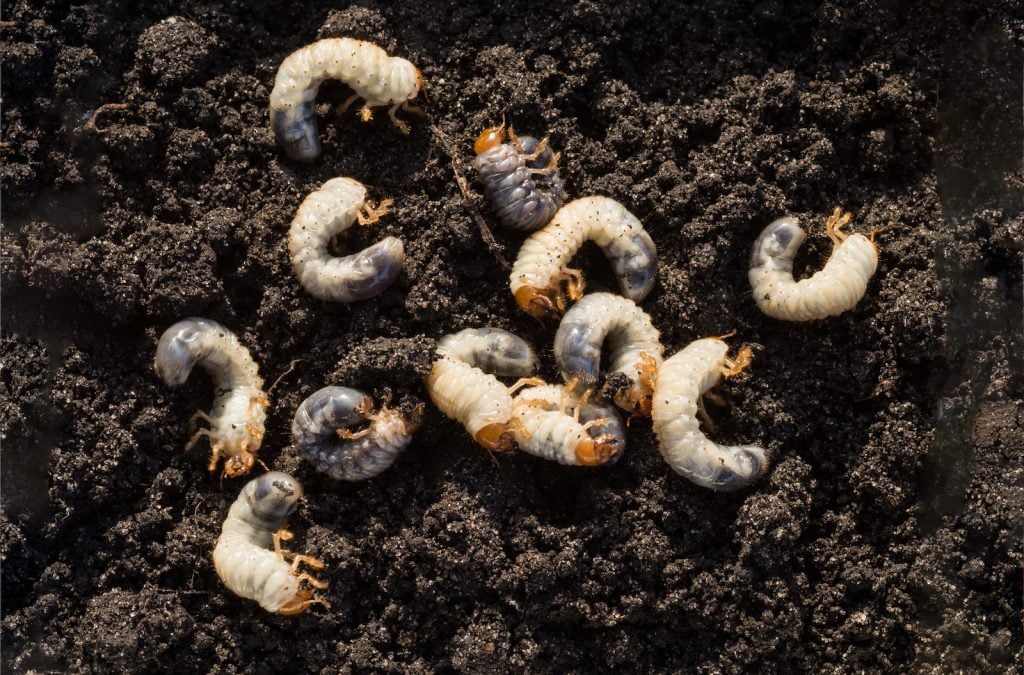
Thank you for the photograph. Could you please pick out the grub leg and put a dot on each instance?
(705, 417)
(279, 536)
(412, 109)
(315, 563)
(370, 213)
(215, 453)
(311, 580)
(835, 223)
(551, 167)
(735, 366)
(343, 108)
(525, 382)
(346, 435)
(541, 147)
(574, 283)
(199, 415)
(195, 438)
(402, 126)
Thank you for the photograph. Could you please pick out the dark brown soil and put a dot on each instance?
(887, 533)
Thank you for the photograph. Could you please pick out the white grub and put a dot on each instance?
(375, 77)
(492, 350)
(248, 556)
(325, 214)
(634, 347)
(682, 380)
(239, 409)
(463, 386)
(835, 289)
(559, 426)
(520, 178)
(321, 435)
(540, 269)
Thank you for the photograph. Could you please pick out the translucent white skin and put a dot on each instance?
(239, 408)
(492, 350)
(682, 380)
(545, 253)
(460, 387)
(324, 214)
(314, 431)
(601, 317)
(835, 289)
(374, 76)
(550, 431)
(244, 557)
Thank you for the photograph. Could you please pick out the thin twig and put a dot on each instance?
(91, 124)
(280, 377)
(467, 196)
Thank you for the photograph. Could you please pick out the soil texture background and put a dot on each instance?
(142, 185)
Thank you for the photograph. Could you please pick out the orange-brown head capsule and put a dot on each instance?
(489, 138)
(596, 451)
(536, 303)
(237, 465)
(495, 437)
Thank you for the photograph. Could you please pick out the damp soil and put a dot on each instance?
(142, 185)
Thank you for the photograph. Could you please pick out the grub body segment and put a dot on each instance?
(682, 380)
(520, 179)
(557, 425)
(835, 289)
(462, 386)
(634, 346)
(375, 77)
(540, 270)
(248, 556)
(320, 432)
(325, 214)
(236, 420)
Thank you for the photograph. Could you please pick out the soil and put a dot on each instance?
(142, 184)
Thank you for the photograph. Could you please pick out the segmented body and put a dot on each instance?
(379, 79)
(556, 425)
(633, 342)
(239, 408)
(830, 292)
(522, 184)
(319, 430)
(492, 350)
(326, 213)
(248, 558)
(540, 269)
(682, 380)
(462, 390)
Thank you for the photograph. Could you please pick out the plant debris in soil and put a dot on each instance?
(142, 184)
